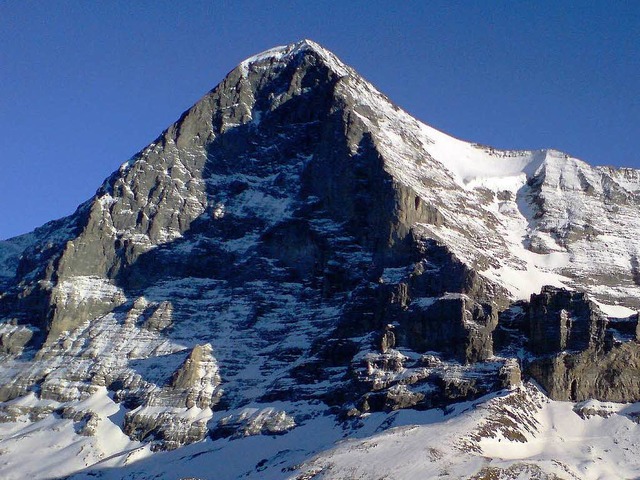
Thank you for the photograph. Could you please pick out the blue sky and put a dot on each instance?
(85, 85)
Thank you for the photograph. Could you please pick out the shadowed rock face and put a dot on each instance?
(563, 320)
(579, 358)
(292, 238)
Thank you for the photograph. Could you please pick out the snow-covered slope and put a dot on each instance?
(298, 262)
(523, 218)
(517, 434)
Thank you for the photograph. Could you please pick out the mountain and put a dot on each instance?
(297, 261)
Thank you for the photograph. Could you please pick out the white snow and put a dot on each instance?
(51, 448)
(423, 302)
(285, 52)
(557, 441)
(616, 311)
(82, 288)
(475, 165)
(395, 275)
(406, 445)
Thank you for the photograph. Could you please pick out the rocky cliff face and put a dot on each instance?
(296, 243)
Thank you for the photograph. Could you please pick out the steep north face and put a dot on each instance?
(297, 247)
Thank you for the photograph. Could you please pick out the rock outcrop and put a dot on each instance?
(561, 320)
(571, 348)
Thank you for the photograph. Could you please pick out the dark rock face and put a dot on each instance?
(563, 320)
(454, 324)
(575, 352)
(612, 375)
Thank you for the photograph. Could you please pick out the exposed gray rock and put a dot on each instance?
(564, 320)
(612, 376)
(591, 409)
(13, 338)
(393, 398)
(196, 380)
(388, 339)
(165, 429)
(162, 415)
(453, 324)
(85, 422)
(510, 374)
(12, 413)
(253, 422)
(574, 352)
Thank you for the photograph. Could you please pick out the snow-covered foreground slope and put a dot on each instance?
(508, 435)
(41, 444)
(299, 280)
(519, 435)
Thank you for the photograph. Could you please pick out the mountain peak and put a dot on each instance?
(286, 53)
(296, 253)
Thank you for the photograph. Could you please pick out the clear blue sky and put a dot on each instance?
(85, 85)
